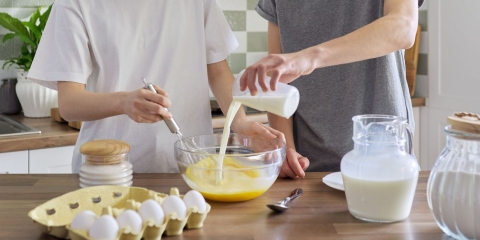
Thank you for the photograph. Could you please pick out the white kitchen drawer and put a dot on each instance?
(51, 160)
(14, 162)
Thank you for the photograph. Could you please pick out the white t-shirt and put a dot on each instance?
(110, 45)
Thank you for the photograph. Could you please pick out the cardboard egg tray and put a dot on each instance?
(54, 216)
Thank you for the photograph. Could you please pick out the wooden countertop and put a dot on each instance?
(53, 134)
(320, 213)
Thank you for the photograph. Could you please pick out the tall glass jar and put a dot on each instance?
(453, 189)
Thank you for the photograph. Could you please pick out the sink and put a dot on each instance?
(11, 127)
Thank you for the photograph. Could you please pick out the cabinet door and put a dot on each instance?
(453, 82)
(51, 160)
(14, 162)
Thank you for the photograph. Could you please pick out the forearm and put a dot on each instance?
(283, 125)
(76, 104)
(396, 30)
(221, 79)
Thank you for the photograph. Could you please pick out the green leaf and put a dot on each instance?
(44, 18)
(12, 24)
(9, 63)
(24, 50)
(33, 28)
(27, 40)
(7, 37)
(22, 61)
(28, 58)
(35, 16)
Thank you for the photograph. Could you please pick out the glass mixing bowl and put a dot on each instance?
(250, 166)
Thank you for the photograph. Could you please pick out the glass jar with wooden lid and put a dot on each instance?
(105, 162)
(453, 189)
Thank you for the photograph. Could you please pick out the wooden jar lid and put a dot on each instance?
(105, 151)
(466, 122)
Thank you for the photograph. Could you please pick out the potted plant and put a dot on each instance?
(36, 100)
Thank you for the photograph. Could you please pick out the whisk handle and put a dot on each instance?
(171, 123)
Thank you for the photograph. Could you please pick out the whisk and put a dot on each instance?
(174, 128)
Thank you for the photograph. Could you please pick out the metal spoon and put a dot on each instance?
(281, 206)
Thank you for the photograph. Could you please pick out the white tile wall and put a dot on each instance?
(233, 5)
(423, 43)
(256, 23)
(421, 86)
(253, 57)
(242, 42)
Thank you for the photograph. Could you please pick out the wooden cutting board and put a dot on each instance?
(411, 62)
(55, 115)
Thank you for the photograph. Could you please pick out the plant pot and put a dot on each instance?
(36, 100)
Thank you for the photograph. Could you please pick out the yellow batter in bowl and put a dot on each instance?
(239, 182)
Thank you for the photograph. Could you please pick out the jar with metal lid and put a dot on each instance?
(453, 188)
(105, 162)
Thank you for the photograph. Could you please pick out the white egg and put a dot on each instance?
(105, 228)
(194, 198)
(130, 218)
(83, 220)
(151, 209)
(174, 204)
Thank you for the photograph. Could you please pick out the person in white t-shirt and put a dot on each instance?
(96, 53)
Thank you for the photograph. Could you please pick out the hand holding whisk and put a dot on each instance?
(174, 128)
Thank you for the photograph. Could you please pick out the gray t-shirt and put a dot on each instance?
(331, 96)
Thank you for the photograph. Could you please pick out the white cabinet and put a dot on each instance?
(51, 160)
(453, 71)
(14, 162)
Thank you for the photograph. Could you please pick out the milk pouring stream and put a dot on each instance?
(283, 102)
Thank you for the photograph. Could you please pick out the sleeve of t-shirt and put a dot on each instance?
(420, 3)
(63, 53)
(267, 9)
(219, 38)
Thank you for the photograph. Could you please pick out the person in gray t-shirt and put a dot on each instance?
(346, 58)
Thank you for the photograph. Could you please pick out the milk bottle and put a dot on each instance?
(282, 102)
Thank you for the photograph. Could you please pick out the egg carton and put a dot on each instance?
(54, 216)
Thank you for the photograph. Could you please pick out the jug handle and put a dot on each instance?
(410, 139)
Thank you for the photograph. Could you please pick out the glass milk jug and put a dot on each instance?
(379, 174)
(453, 189)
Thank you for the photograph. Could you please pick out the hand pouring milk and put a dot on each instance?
(282, 102)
